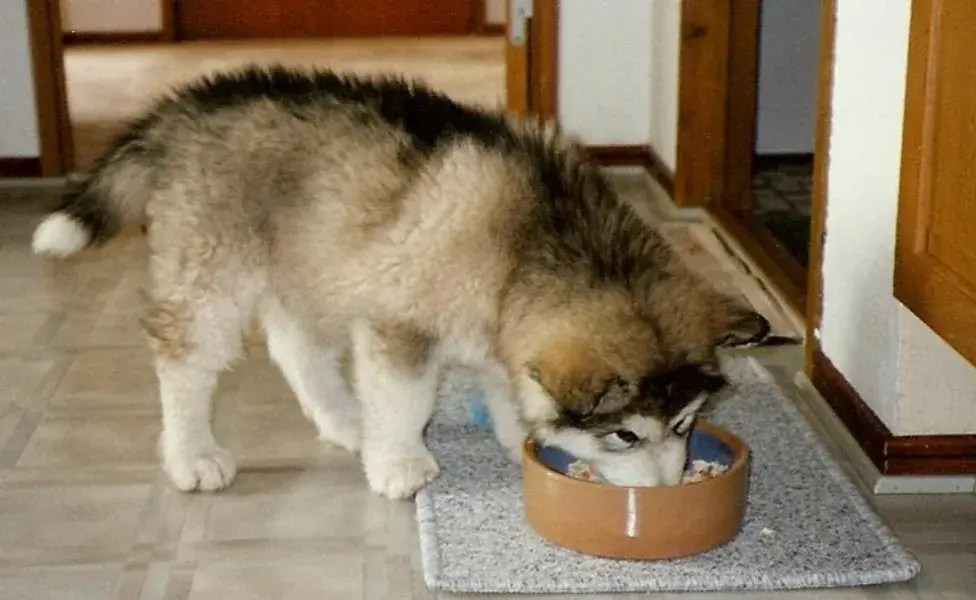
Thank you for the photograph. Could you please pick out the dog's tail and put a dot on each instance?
(96, 207)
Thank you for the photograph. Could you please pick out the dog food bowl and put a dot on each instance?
(638, 523)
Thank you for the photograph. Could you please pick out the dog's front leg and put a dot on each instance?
(396, 381)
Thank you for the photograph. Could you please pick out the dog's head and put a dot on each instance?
(597, 381)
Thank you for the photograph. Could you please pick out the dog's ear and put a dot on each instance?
(684, 390)
(584, 393)
(741, 328)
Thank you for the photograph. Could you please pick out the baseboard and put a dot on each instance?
(16, 167)
(491, 29)
(762, 161)
(77, 38)
(838, 437)
(916, 455)
(637, 155)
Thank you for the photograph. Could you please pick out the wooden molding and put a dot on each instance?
(660, 171)
(636, 155)
(891, 454)
(821, 159)
(17, 167)
(703, 101)
(111, 38)
(54, 129)
(619, 155)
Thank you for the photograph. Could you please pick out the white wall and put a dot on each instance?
(18, 115)
(665, 32)
(789, 44)
(908, 375)
(89, 16)
(604, 67)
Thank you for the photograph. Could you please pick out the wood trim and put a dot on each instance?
(168, 8)
(544, 59)
(637, 156)
(112, 38)
(15, 167)
(772, 258)
(660, 171)
(742, 94)
(821, 163)
(891, 454)
(621, 155)
(492, 29)
(703, 85)
(44, 24)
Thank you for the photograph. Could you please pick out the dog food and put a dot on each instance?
(702, 470)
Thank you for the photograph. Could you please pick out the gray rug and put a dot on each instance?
(806, 525)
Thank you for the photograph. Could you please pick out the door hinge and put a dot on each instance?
(519, 12)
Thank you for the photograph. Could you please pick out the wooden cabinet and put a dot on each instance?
(215, 19)
(935, 268)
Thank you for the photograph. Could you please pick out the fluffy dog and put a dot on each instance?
(380, 218)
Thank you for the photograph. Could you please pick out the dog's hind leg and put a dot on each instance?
(195, 330)
(312, 369)
(396, 381)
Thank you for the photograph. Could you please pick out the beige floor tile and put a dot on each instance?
(63, 583)
(93, 439)
(273, 435)
(26, 332)
(111, 330)
(25, 383)
(77, 524)
(338, 577)
(294, 504)
(109, 377)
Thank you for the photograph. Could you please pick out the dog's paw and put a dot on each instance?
(205, 470)
(401, 477)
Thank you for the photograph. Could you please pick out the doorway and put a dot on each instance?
(108, 70)
(751, 88)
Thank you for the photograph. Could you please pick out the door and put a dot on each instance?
(531, 48)
(214, 19)
(935, 267)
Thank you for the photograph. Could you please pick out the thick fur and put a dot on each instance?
(380, 221)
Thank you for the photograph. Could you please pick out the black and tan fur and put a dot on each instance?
(379, 218)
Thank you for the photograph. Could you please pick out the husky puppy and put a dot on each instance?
(379, 217)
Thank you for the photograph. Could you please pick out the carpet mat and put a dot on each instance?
(806, 526)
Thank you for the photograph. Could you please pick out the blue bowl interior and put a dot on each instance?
(701, 446)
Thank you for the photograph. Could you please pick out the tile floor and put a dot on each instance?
(782, 199)
(109, 84)
(85, 512)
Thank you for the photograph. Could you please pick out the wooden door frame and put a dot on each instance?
(717, 102)
(532, 68)
(50, 93)
(539, 86)
(166, 33)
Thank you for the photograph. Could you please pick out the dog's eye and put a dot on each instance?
(627, 436)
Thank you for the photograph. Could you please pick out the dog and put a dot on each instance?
(376, 218)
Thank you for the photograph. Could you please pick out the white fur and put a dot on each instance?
(396, 408)
(190, 453)
(314, 374)
(506, 424)
(191, 456)
(659, 460)
(60, 235)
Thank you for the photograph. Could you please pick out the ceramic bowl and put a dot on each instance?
(640, 523)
